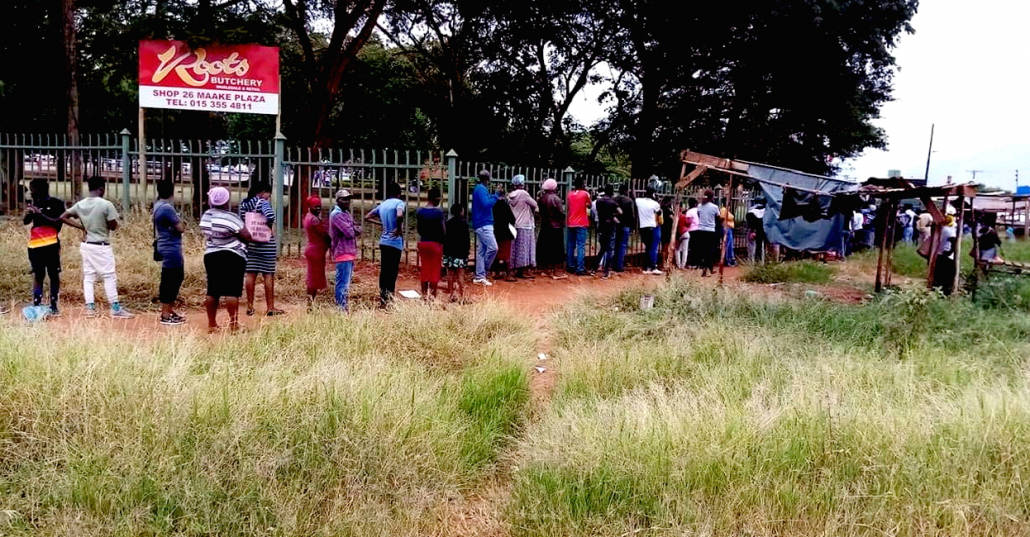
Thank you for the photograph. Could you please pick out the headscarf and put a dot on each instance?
(518, 180)
(218, 196)
(314, 201)
(550, 184)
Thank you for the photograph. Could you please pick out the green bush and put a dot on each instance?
(795, 271)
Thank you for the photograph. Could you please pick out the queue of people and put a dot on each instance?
(240, 246)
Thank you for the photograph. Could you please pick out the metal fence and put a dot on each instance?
(194, 166)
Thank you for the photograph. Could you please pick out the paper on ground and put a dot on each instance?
(410, 293)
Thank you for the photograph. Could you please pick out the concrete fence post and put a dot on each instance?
(126, 169)
(278, 170)
(452, 178)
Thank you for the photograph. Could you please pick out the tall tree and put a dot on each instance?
(353, 23)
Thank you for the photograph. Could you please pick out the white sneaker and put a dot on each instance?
(648, 271)
(121, 313)
(482, 281)
(657, 272)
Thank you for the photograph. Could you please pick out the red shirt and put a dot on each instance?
(578, 201)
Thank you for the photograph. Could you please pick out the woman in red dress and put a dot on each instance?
(317, 230)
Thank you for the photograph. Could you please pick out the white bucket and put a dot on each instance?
(646, 302)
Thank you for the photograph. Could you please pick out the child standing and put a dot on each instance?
(431, 233)
(44, 213)
(456, 250)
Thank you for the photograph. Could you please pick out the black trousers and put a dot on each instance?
(171, 282)
(45, 261)
(707, 245)
(391, 262)
(944, 274)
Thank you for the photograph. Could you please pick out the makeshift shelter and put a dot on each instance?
(808, 212)
(800, 212)
(1011, 210)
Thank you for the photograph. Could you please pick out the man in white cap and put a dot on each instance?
(343, 232)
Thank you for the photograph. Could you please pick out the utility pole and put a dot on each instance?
(974, 172)
(926, 174)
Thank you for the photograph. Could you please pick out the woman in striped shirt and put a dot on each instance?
(260, 254)
(225, 257)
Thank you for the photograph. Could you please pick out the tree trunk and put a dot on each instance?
(643, 145)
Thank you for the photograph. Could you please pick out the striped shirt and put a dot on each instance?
(260, 255)
(221, 231)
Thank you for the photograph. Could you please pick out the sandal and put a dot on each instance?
(275, 313)
(250, 312)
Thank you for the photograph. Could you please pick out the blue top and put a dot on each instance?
(387, 212)
(482, 207)
(169, 240)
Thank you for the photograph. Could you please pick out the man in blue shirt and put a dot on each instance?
(483, 223)
(389, 213)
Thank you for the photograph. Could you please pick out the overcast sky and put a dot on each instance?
(966, 69)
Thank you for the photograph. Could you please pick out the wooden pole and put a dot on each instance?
(958, 242)
(1026, 218)
(935, 237)
(883, 246)
(142, 156)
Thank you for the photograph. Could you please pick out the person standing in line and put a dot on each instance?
(944, 268)
(706, 238)
(692, 253)
(430, 221)
(683, 235)
(98, 218)
(668, 228)
(168, 229)
(550, 247)
(907, 219)
(578, 202)
(261, 254)
(607, 222)
(225, 258)
(504, 233)
(924, 225)
(483, 202)
(390, 214)
(626, 221)
(523, 255)
(317, 230)
(756, 232)
(456, 251)
(649, 214)
(728, 223)
(343, 235)
(44, 213)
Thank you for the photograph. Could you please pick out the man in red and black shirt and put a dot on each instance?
(44, 213)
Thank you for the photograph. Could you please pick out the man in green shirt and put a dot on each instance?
(98, 218)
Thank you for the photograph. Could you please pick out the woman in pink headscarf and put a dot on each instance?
(550, 246)
(225, 257)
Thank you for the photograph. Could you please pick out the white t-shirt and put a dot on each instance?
(947, 233)
(647, 212)
(856, 221)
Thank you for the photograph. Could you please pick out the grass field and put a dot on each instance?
(718, 412)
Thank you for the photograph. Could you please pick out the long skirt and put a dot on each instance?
(550, 247)
(315, 279)
(523, 251)
(430, 256)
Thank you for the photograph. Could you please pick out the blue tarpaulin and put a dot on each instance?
(799, 232)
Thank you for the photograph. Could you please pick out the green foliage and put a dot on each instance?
(799, 271)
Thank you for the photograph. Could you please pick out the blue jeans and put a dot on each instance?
(621, 243)
(576, 247)
(731, 259)
(344, 271)
(486, 250)
(906, 234)
(652, 237)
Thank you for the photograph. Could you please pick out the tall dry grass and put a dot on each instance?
(715, 414)
(327, 425)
